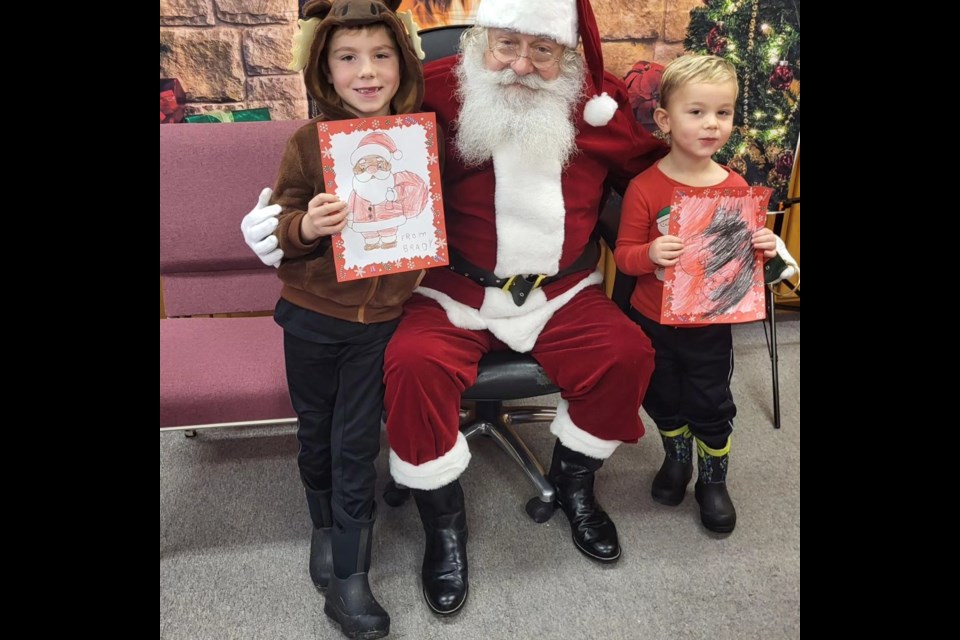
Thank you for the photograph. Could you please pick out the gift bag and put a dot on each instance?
(172, 101)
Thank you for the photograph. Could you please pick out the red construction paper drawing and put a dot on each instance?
(719, 278)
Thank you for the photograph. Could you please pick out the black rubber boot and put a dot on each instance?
(670, 484)
(445, 583)
(717, 512)
(594, 534)
(321, 553)
(349, 601)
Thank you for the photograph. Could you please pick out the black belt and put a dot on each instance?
(522, 284)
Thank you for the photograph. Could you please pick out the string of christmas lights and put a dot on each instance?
(762, 39)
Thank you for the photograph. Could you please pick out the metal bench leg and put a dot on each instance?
(772, 348)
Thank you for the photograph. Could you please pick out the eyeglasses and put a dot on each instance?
(539, 57)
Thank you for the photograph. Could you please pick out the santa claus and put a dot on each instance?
(381, 201)
(535, 130)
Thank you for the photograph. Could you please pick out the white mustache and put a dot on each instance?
(508, 76)
(367, 177)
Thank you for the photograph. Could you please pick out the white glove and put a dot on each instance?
(258, 227)
(792, 267)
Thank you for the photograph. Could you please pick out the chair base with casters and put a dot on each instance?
(501, 376)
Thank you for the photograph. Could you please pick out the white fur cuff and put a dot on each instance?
(435, 473)
(573, 437)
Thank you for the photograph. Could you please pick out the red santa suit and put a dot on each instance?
(518, 216)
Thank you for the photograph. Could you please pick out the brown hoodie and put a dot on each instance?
(308, 271)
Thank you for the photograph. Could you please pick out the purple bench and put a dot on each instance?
(218, 371)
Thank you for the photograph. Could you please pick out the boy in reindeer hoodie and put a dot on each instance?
(358, 63)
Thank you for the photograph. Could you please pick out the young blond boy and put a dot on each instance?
(689, 395)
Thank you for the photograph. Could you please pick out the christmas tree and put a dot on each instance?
(762, 39)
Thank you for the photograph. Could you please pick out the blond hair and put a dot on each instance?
(695, 68)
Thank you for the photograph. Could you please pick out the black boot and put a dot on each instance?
(716, 508)
(594, 533)
(321, 554)
(444, 572)
(349, 601)
(670, 484)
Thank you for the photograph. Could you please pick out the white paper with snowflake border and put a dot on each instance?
(387, 170)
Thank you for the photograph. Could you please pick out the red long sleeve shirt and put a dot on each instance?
(644, 218)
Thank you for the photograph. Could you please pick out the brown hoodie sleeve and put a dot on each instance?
(293, 192)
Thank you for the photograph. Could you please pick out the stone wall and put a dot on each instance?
(632, 30)
(232, 54)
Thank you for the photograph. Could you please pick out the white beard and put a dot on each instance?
(500, 107)
(373, 187)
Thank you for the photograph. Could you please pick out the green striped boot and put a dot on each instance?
(670, 484)
(716, 508)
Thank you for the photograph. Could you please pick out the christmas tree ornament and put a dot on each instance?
(776, 180)
(784, 164)
(782, 76)
(716, 41)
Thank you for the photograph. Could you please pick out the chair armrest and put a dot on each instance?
(609, 222)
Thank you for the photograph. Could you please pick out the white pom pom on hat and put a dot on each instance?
(599, 110)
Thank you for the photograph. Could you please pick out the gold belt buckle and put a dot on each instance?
(519, 286)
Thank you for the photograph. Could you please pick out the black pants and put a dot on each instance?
(691, 379)
(336, 387)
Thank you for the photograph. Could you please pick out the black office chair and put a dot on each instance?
(440, 42)
(502, 375)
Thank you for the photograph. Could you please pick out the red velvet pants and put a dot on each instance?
(600, 360)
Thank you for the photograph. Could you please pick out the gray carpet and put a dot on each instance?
(234, 538)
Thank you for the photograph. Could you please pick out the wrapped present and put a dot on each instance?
(172, 101)
(210, 116)
(251, 115)
(241, 115)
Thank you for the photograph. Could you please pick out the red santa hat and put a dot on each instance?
(376, 144)
(565, 21)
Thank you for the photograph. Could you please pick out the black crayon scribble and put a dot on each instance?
(728, 239)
